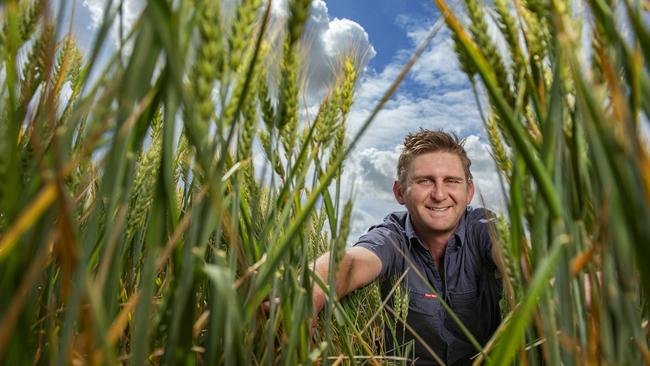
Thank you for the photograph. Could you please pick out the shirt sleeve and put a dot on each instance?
(484, 230)
(383, 242)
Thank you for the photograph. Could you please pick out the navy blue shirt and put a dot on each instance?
(469, 286)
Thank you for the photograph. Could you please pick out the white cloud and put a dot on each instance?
(438, 66)
(96, 9)
(327, 41)
(486, 179)
(377, 171)
(131, 10)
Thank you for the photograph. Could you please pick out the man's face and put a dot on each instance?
(436, 194)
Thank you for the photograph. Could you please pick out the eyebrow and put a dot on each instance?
(454, 177)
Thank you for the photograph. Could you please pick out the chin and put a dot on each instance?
(441, 229)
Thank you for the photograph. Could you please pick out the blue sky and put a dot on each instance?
(383, 21)
(435, 95)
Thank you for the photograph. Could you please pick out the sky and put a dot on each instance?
(435, 94)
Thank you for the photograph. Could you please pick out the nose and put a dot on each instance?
(438, 192)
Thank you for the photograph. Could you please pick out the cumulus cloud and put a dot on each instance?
(327, 41)
(377, 171)
(131, 10)
(435, 95)
(486, 179)
(439, 66)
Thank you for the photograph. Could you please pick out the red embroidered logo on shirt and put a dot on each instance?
(430, 296)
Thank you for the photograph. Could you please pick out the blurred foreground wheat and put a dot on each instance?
(146, 213)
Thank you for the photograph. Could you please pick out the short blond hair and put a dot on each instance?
(426, 141)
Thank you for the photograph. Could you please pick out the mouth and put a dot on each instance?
(438, 209)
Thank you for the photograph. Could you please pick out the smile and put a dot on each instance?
(438, 209)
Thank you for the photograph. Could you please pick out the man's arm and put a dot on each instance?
(358, 268)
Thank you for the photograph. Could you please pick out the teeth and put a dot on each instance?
(438, 209)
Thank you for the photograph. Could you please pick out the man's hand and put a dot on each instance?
(266, 308)
(266, 305)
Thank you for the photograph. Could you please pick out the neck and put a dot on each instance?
(435, 239)
(437, 247)
(436, 243)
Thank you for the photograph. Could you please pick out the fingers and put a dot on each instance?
(266, 308)
(266, 305)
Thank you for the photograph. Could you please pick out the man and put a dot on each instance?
(438, 238)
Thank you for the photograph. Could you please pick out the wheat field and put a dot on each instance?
(138, 226)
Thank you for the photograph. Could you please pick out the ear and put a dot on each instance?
(470, 191)
(397, 191)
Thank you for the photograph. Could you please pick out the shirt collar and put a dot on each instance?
(459, 234)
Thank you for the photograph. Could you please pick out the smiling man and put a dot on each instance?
(442, 244)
